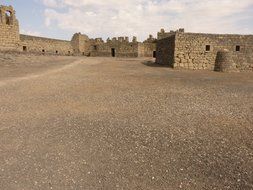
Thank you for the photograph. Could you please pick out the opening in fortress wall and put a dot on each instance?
(8, 16)
(237, 48)
(208, 47)
(113, 52)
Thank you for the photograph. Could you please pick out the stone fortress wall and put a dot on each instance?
(40, 45)
(122, 47)
(176, 49)
(80, 44)
(199, 51)
(165, 50)
(115, 47)
(9, 29)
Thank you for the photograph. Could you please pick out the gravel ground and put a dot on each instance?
(102, 123)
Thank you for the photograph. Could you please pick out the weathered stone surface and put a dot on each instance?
(9, 29)
(200, 50)
(224, 62)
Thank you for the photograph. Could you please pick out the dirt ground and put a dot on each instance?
(104, 123)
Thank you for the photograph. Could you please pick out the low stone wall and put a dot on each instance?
(199, 51)
(41, 45)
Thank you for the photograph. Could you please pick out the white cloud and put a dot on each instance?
(29, 32)
(141, 17)
(51, 3)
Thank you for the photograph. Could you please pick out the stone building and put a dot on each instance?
(80, 44)
(178, 49)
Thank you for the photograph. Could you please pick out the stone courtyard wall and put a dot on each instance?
(149, 49)
(199, 51)
(165, 50)
(122, 47)
(41, 45)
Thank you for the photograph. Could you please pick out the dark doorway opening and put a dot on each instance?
(56, 52)
(24, 48)
(154, 54)
(113, 52)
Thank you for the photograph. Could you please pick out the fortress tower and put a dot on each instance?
(9, 29)
(80, 44)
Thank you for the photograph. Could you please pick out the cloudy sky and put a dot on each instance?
(108, 18)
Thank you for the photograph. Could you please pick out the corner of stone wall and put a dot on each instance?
(176, 61)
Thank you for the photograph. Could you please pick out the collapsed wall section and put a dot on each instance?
(41, 45)
(199, 51)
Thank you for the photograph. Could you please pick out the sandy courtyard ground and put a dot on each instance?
(103, 123)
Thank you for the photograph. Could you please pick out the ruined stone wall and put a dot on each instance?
(165, 50)
(9, 29)
(141, 50)
(150, 50)
(41, 45)
(199, 51)
(121, 46)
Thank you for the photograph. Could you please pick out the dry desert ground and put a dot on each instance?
(103, 123)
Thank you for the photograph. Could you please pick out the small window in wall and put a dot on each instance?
(56, 52)
(24, 48)
(208, 47)
(238, 48)
(8, 16)
(43, 51)
(95, 47)
(68, 52)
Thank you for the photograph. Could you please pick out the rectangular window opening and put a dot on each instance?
(238, 48)
(24, 48)
(208, 47)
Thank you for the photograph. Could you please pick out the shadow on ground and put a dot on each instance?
(153, 64)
